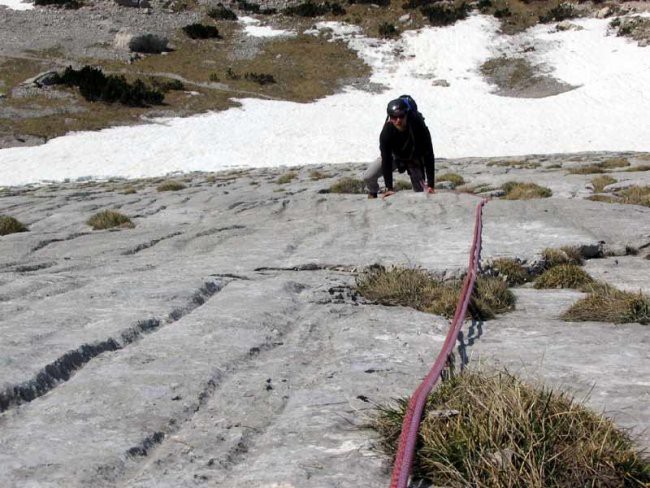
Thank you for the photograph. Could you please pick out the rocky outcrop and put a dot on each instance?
(146, 43)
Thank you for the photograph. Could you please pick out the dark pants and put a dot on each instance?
(414, 168)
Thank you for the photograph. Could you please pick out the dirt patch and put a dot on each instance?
(517, 77)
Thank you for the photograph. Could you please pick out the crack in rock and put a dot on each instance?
(63, 367)
(147, 245)
(47, 242)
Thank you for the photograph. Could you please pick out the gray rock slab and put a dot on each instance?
(220, 341)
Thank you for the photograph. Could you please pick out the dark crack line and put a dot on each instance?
(65, 366)
(147, 245)
(47, 242)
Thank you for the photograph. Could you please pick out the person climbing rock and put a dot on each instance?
(405, 145)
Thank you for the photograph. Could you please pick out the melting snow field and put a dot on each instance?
(608, 110)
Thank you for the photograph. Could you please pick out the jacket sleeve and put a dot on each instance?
(386, 157)
(426, 150)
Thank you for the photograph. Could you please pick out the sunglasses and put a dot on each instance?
(397, 117)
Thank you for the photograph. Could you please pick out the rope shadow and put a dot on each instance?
(474, 333)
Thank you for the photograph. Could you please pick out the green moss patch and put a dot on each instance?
(107, 219)
(10, 225)
(494, 430)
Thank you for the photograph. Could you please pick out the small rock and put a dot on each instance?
(445, 185)
(405, 18)
(565, 25)
(603, 13)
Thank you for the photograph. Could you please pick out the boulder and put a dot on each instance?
(140, 43)
(42, 79)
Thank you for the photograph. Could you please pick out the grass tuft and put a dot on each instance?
(107, 219)
(401, 185)
(564, 276)
(286, 178)
(636, 195)
(415, 288)
(564, 255)
(600, 182)
(511, 270)
(608, 304)
(10, 225)
(316, 175)
(492, 429)
(524, 191)
(454, 178)
(171, 185)
(348, 185)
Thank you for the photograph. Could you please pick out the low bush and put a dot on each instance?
(524, 191)
(201, 31)
(600, 182)
(564, 276)
(348, 185)
(502, 13)
(386, 30)
(311, 9)
(167, 85)
(454, 178)
(286, 177)
(414, 287)
(260, 78)
(107, 219)
(94, 86)
(220, 12)
(608, 304)
(445, 14)
(491, 429)
(171, 185)
(10, 225)
(511, 271)
(563, 11)
(67, 4)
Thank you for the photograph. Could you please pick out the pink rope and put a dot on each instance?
(411, 423)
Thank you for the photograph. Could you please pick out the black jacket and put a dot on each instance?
(414, 144)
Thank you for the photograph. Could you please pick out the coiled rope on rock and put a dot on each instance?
(413, 415)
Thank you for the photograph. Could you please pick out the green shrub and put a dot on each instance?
(386, 30)
(108, 219)
(608, 304)
(564, 276)
(167, 85)
(311, 9)
(260, 78)
(484, 429)
(10, 225)
(171, 185)
(220, 12)
(524, 191)
(201, 31)
(511, 270)
(445, 14)
(95, 86)
(563, 11)
(286, 178)
(454, 178)
(348, 185)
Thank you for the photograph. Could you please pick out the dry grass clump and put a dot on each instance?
(108, 219)
(636, 195)
(401, 185)
(171, 185)
(524, 191)
(494, 430)
(612, 163)
(608, 304)
(10, 225)
(564, 255)
(602, 198)
(642, 167)
(129, 190)
(564, 276)
(414, 287)
(454, 178)
(348, 185)
(586, 170)
(600, 182)
(286, 178)
(511, 270)
(316, 175)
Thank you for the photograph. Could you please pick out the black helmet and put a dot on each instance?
(397, 107)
